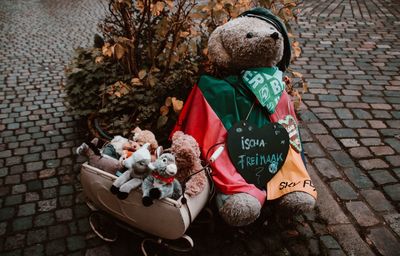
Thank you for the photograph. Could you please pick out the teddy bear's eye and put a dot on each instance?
(249, 35)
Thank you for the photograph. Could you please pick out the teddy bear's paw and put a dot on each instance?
(155, 193)
(114, 189)
(82, 149)
(147, 201)
(239, 209)
(297, 202)
(122, 195)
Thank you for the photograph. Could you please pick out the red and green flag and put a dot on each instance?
(215, 105)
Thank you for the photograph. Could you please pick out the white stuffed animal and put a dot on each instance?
(138, 169)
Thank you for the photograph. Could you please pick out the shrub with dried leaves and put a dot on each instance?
(154, 51)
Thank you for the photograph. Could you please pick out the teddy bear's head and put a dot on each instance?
(187, 154)
(140, 137)
(257, 38)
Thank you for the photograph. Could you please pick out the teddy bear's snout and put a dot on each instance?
(275, 35)
(249, 35)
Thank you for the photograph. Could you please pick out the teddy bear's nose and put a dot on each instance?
(275, 35)
(249, 35)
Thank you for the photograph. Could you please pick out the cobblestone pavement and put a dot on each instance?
(39, 209)
(350, 57)
(351, 133)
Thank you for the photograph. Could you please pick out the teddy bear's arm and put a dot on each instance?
(122, 179)
(196, 184)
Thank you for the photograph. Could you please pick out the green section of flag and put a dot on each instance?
(229, 102)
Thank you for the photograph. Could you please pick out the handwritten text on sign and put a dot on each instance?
(257, 153)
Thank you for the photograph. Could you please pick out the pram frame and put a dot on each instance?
(166, 218)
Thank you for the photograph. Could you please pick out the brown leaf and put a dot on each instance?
(157, 8)
(297, 74)
(142, 74)
(218, 7)
(164, 110)
(168, 102)
(107, 50)
(119, 51)
(177, 105)
(99, 59)
(139, 5)
(124, 90)
(155, 70)
(297, 51)
(184, 34)
(152, 80)
(136, 82)
(197, 15)
(170, 4)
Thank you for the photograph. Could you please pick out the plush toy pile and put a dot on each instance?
(249, 97)
(139, 163)
(245, 108)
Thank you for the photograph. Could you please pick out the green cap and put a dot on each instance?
(268, 16)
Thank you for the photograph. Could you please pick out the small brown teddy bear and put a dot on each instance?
(187, 156)
(145, 136)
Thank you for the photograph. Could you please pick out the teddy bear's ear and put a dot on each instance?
(216, 51)
(137, 129)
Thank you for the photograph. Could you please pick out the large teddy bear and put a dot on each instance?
(249, 53)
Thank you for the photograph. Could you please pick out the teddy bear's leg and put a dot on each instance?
(297, 202)
(119, 181)
(125, 188)
(131, 184)
(238, 209)
(155, 193)
(161, 192)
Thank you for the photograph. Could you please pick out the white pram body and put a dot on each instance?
(166, 218)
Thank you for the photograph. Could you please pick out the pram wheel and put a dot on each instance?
(103, 227)
(183, 244)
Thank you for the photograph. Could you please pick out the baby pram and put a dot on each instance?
(165, 219)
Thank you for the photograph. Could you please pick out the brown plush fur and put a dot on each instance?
(240, 44)
(145, 136)
(187, 156)
(244, 43)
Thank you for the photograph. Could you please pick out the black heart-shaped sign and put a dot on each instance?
(257, 153)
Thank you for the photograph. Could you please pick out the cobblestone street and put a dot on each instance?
(350, 129)
(40, 211)
(350, 58)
